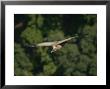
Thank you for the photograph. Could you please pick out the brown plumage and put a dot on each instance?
(56, 45)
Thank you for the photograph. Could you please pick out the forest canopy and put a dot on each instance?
(78, 57)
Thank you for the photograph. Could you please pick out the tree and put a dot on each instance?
(78, 57)
(22, 64)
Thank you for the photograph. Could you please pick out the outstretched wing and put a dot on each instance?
(63, 41)
(46, 44)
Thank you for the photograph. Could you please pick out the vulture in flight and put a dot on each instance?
(56, 45)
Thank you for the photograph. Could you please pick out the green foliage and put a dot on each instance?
(31, 35)
(40, 20)
(78, 57)
(49, 69)
(55, 35)
(23, 65)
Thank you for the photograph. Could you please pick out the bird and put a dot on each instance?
(56, 45)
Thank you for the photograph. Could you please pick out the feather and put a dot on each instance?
(46, 44)
(60, 42)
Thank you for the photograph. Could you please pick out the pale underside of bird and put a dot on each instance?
(56, 45)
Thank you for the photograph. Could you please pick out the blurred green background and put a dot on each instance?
(76, 58)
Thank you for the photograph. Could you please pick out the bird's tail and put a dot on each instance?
(30, 45)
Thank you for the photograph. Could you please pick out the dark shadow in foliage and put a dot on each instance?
(51, 22)
(60, 71)
(72, 22)
(20, 23)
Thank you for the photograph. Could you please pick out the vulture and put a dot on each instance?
(56, 45)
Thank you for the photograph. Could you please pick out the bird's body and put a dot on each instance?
(56, 45)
